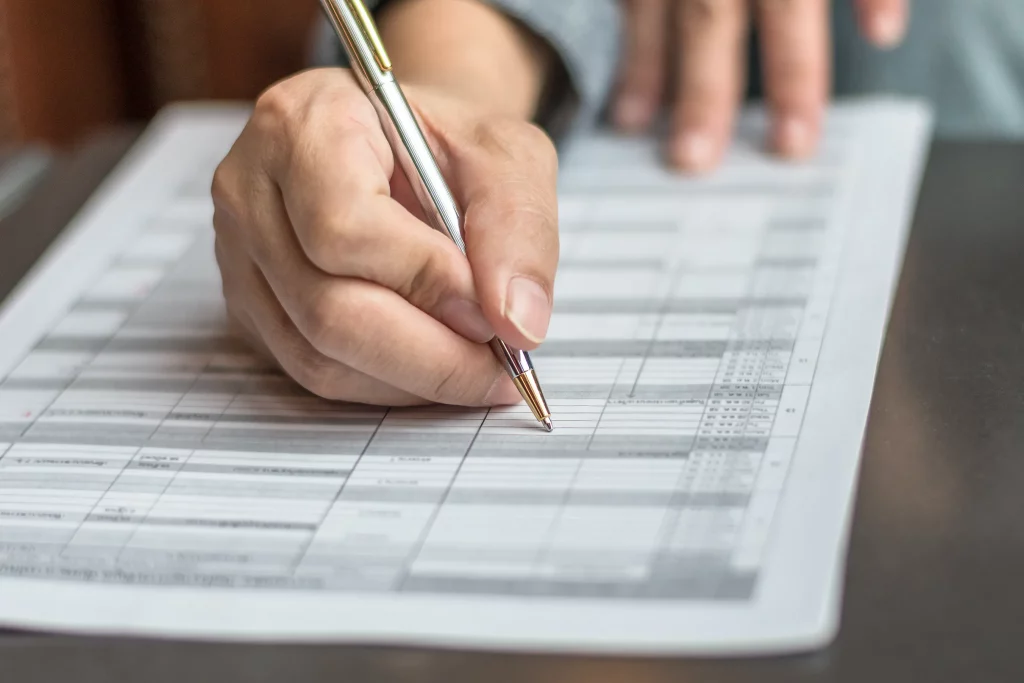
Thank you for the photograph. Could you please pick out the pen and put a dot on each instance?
(372, 66)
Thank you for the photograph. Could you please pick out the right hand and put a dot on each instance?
(327, 266)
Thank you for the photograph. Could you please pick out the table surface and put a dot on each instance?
(935, 576)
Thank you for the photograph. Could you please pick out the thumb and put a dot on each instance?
(505, 174)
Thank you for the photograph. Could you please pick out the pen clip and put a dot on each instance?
(369, 30)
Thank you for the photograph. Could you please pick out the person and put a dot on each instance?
(326, 263)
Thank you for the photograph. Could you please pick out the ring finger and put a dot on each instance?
(258, 311)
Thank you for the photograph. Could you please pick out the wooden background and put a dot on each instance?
(68, 67)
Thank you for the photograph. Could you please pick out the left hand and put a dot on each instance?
(707, 41)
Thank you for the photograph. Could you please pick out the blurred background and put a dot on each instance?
(69, 67)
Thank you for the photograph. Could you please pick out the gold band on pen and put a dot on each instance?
(529, 388)
(369, 29)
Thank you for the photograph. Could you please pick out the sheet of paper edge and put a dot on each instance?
(819, 627)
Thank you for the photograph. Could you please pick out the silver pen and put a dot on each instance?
(372, 66)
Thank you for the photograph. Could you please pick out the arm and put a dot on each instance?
(469, 50)
(581, 38)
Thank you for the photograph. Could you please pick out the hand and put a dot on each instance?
(708, 41)
(327, 266)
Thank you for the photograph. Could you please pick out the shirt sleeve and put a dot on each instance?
(584, 34)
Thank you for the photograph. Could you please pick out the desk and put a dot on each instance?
(935, 578)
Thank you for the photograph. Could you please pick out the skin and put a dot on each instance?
(693, 53)
(325, 263)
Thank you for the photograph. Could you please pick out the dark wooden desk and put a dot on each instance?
(935, 579)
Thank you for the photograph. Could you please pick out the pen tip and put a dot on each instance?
(547, 424)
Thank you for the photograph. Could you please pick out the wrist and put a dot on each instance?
(469, 51)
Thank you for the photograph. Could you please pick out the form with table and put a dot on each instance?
(932, 581)
(709, 365)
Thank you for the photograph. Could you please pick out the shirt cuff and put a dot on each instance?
(585, 36)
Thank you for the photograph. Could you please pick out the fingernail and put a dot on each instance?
(528, 308)
(503, 393)
(793, 137)
(466, 318)
(631, 112)
(693, 151)
(887, 30)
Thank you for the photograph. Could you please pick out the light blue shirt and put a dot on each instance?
(965, 56)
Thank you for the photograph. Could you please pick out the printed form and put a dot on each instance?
(709, 367)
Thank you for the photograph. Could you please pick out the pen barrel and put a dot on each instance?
(516, 361)
(372, 68)
(414, 157)
(359, 38)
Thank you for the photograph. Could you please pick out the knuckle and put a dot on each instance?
(542, 147)
(222, 189)
(335, 237)
(230, 293)
(786, 96)
(792, 71)
(287, 108)
(507, 202)
(644, 76)
(223, 222)
(523, 180)
(232, 284)
(643, 6)
(333, 324)
(228, 216)
(495, 136)
(445, 383)
(456, 384)
(302, 108)
(321, 321)
(703, 12)
(227, 190)
(516, 201)
(772, 8)
(703, 97)
(313, 127)
(345, 108)
(220, 253)
(509, 138)
(241, 239)
(428, 285)
(318, 375)
(275, 109)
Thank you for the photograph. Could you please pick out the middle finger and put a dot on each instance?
(268, 328)
(710, 79)
(795, 37)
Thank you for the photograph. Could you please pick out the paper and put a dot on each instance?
(709, 367)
